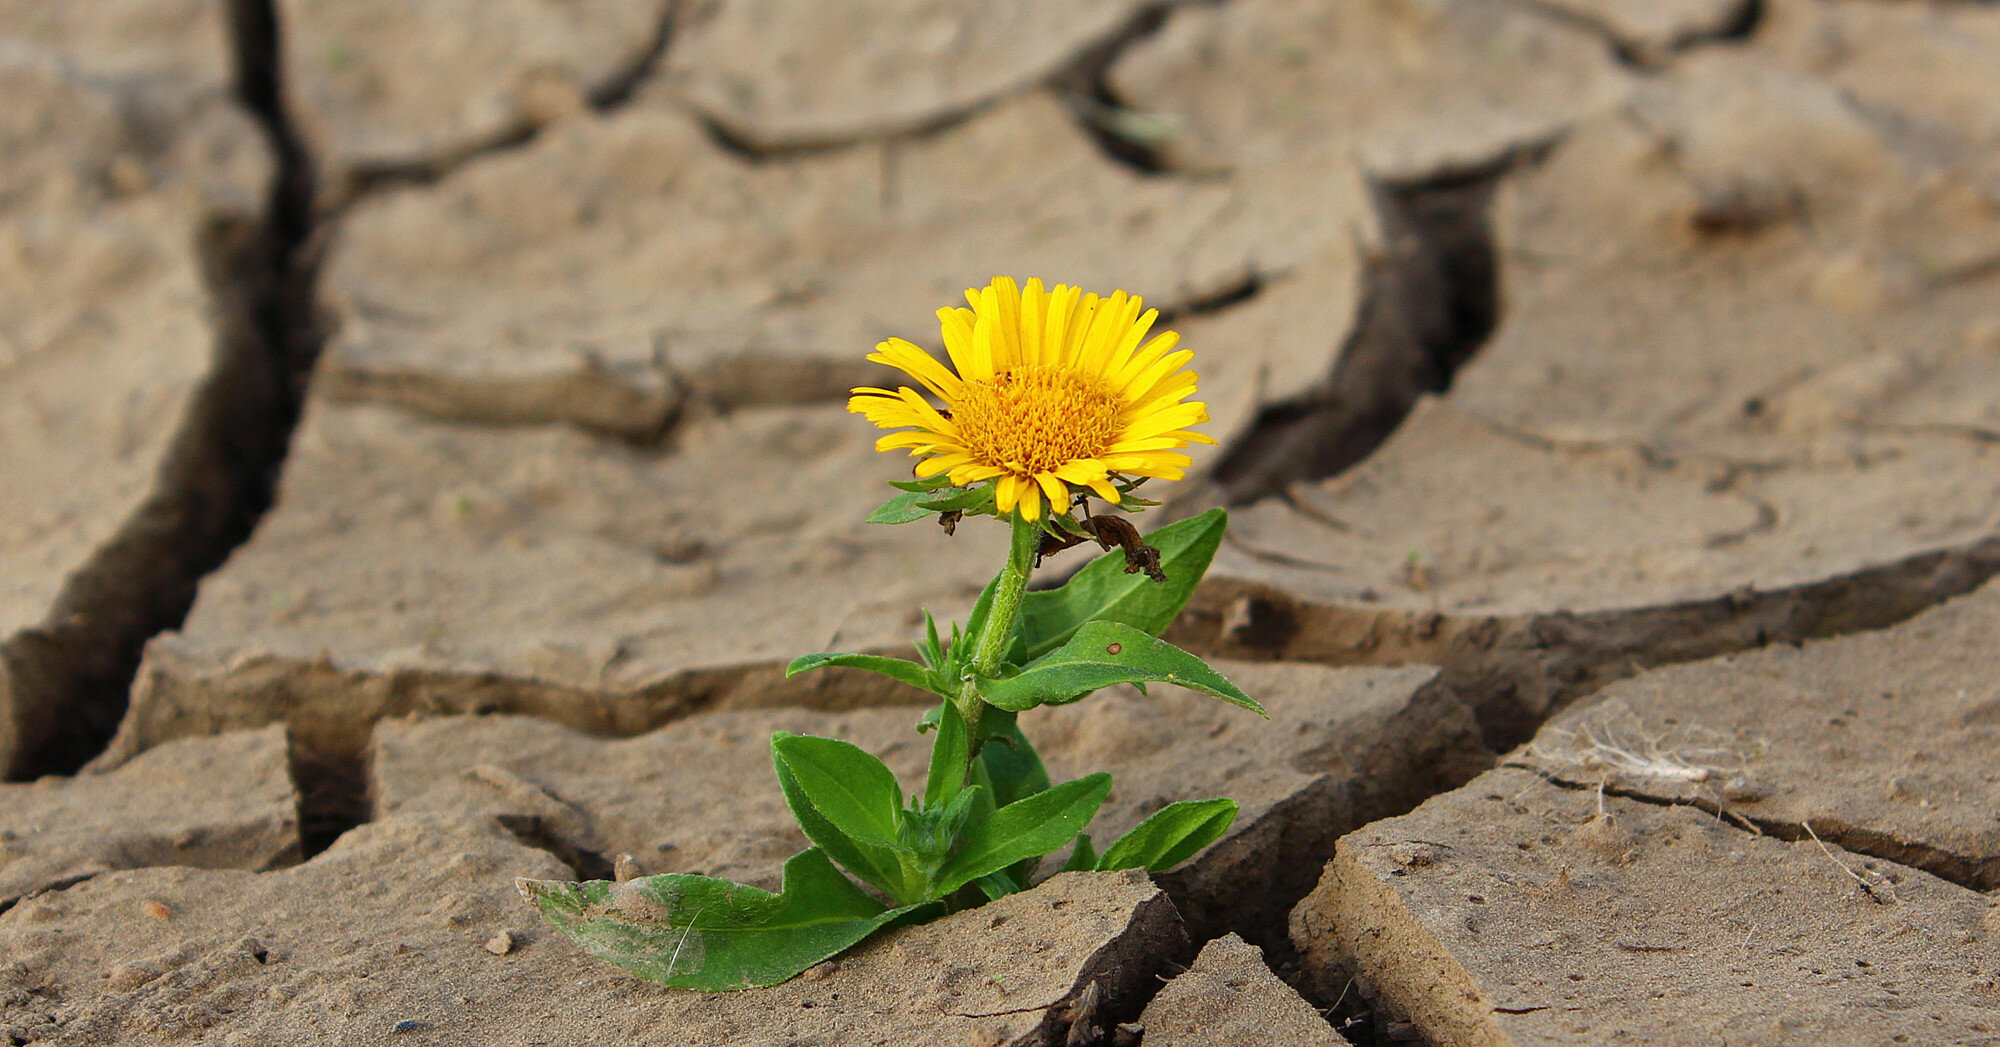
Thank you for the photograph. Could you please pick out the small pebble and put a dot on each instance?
(501, 944)
(1413, 855)
(407, 1025)
(1743, 790)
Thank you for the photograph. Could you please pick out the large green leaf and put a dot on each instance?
(1027, 828)
(1102, 591)
(877, 860)
(1172, 835)
(697, 932)
(1101, 654)
(895, 668)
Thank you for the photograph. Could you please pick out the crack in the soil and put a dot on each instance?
(1529, 666)
(1428, 303)
(1119, 131)
(613, 94)
(1964, 870)
(218, 475)
(221, 474)
(1741, 23)
(584, 863)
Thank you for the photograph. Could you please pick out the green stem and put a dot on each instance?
(990, 646)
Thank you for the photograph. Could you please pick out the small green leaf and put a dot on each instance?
(879, 861)
(696, 932)
(948, 755)
(1013, 768)
(974, 500)
(929, 834)
(1084, 858)
(931, 650)
(915, 504)
(906, 507)
(930, 484)
(1102, 591)
(996, 886)
(975, 624)
(1102, 654)
(1171, 836)
(1025, 829)
(844, 782)
(894, 668)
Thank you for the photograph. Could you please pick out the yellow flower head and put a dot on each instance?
(1051, 389)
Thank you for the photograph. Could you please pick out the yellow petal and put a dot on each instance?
(1143, 371)
(1058, 494)
(1006, 492)
(1031, 499)
(1177, 386)
(1081, 471)
(1178, 417)
(932, 420)
(1128, 342)
(1032, 306)
(1055, 340)
(956, 327)
(930, 467)
(1008, 351)
(1080, 320)
(966, 475)
(919, 365)
(1106, 324)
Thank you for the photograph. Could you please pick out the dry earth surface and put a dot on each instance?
(423, 437)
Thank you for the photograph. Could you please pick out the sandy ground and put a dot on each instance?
(422, 433)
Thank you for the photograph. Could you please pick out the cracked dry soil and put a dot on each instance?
(422, 433)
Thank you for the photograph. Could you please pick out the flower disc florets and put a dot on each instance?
(1047, 390)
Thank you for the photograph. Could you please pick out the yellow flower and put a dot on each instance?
(1047, 390)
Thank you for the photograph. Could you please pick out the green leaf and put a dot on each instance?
(902, 509)
(996, 886)
(948, 755)
(696, 932)
(1101, 654)
(929, 484)
(1025, 829)
(1084, 858)
(875, 861)
(1171, 836)
(895, 668)
(1013, 769)
(915, 504)
(975, 625)
(1102, 591)
(844, 782)
(931, 650)
(975, 499)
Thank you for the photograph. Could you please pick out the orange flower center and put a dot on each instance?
(1035, 419)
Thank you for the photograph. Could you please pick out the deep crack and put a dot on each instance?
(1429, 302)
(1741, 22)
(1124, 135)
(218, 475)
(1519, 669)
